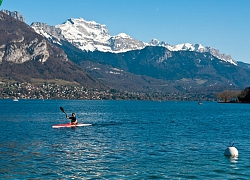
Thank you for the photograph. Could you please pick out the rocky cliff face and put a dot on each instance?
(17, 46)
(52, 33)
(26, 56)
(14, 14)
(20, 52)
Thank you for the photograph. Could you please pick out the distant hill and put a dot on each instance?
(186, 69)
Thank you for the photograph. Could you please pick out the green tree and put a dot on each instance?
(244, 96)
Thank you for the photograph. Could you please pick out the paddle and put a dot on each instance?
(63, 110)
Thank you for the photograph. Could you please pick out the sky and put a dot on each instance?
(220, 24)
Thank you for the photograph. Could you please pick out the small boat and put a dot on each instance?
(69, 125)
(200, 103)
(15, 99)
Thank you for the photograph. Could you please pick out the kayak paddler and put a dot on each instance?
(73, 119)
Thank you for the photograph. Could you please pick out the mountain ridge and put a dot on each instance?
(91, 36)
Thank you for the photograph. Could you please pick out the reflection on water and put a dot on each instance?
(233, 159)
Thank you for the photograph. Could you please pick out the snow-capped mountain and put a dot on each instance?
(87, 35)
(123, 43)
(193, 47)
(91, 36)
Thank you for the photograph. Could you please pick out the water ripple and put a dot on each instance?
(128, 140)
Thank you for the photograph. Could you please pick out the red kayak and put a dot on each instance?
(69, 125)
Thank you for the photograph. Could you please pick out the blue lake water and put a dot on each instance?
(128, 140)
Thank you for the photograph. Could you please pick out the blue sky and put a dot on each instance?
(221, 24)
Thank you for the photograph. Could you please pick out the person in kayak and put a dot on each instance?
(73, 119)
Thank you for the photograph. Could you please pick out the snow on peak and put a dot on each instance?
(199, 47)
(156, 42)
(80, 28)
(123, 35)
(184, 47)
(85, 34)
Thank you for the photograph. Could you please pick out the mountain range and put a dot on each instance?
(92, 36)
(85, 53)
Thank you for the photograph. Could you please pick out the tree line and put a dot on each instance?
(234, 96)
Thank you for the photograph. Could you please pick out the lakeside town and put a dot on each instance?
(54, 91)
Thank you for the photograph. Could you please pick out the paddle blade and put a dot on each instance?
(62, 110)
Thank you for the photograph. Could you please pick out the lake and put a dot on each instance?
(127, 140)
